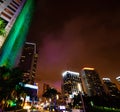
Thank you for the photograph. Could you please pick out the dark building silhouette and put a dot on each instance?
(28, 62)
(110, 87)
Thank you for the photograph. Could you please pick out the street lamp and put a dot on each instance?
(82, 102)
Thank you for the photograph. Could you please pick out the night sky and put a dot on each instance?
(72, 34)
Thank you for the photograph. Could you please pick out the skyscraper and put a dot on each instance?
(110, 87)
(16, 16)
(91, 82)
(118, 79)
(28, 62)
(71, 83)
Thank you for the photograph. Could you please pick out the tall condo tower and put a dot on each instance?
(16, 17)
(28, 62)
(110, 87)
(118, 79)
(71, 83)
(91, 82)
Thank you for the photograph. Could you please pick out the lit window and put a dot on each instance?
(4, 14)
(19, 1)
(16, 3)
(11, 8)
(8, 11)
(13, 5)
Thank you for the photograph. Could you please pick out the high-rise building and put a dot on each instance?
(15, 16)
(110, 87)
(118, 79)
(91, 82)
(71, 83)
(28, 62)
(45, 87)
(31, 91)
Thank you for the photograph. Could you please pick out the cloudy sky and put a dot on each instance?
(72, 34)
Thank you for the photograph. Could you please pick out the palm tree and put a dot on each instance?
(10, 89)
(50, 93)
(2, 27)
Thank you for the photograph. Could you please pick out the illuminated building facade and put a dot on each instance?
(16, 16)
(110, 87)
(91, 82)
(71, 83)
(118, 79)
(28, 62)
(31, 91)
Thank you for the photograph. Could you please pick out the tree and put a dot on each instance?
(77, 100)
(4, 86)
(10, 87)
(2, 27)
(51, 92)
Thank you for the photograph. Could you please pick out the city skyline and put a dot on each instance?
(73, 35)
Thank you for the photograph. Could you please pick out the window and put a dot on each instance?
(16, 3)
(4, 14)
(13, 5)
(8, 11)
(11, 8)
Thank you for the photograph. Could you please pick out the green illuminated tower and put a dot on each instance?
(17, 15)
